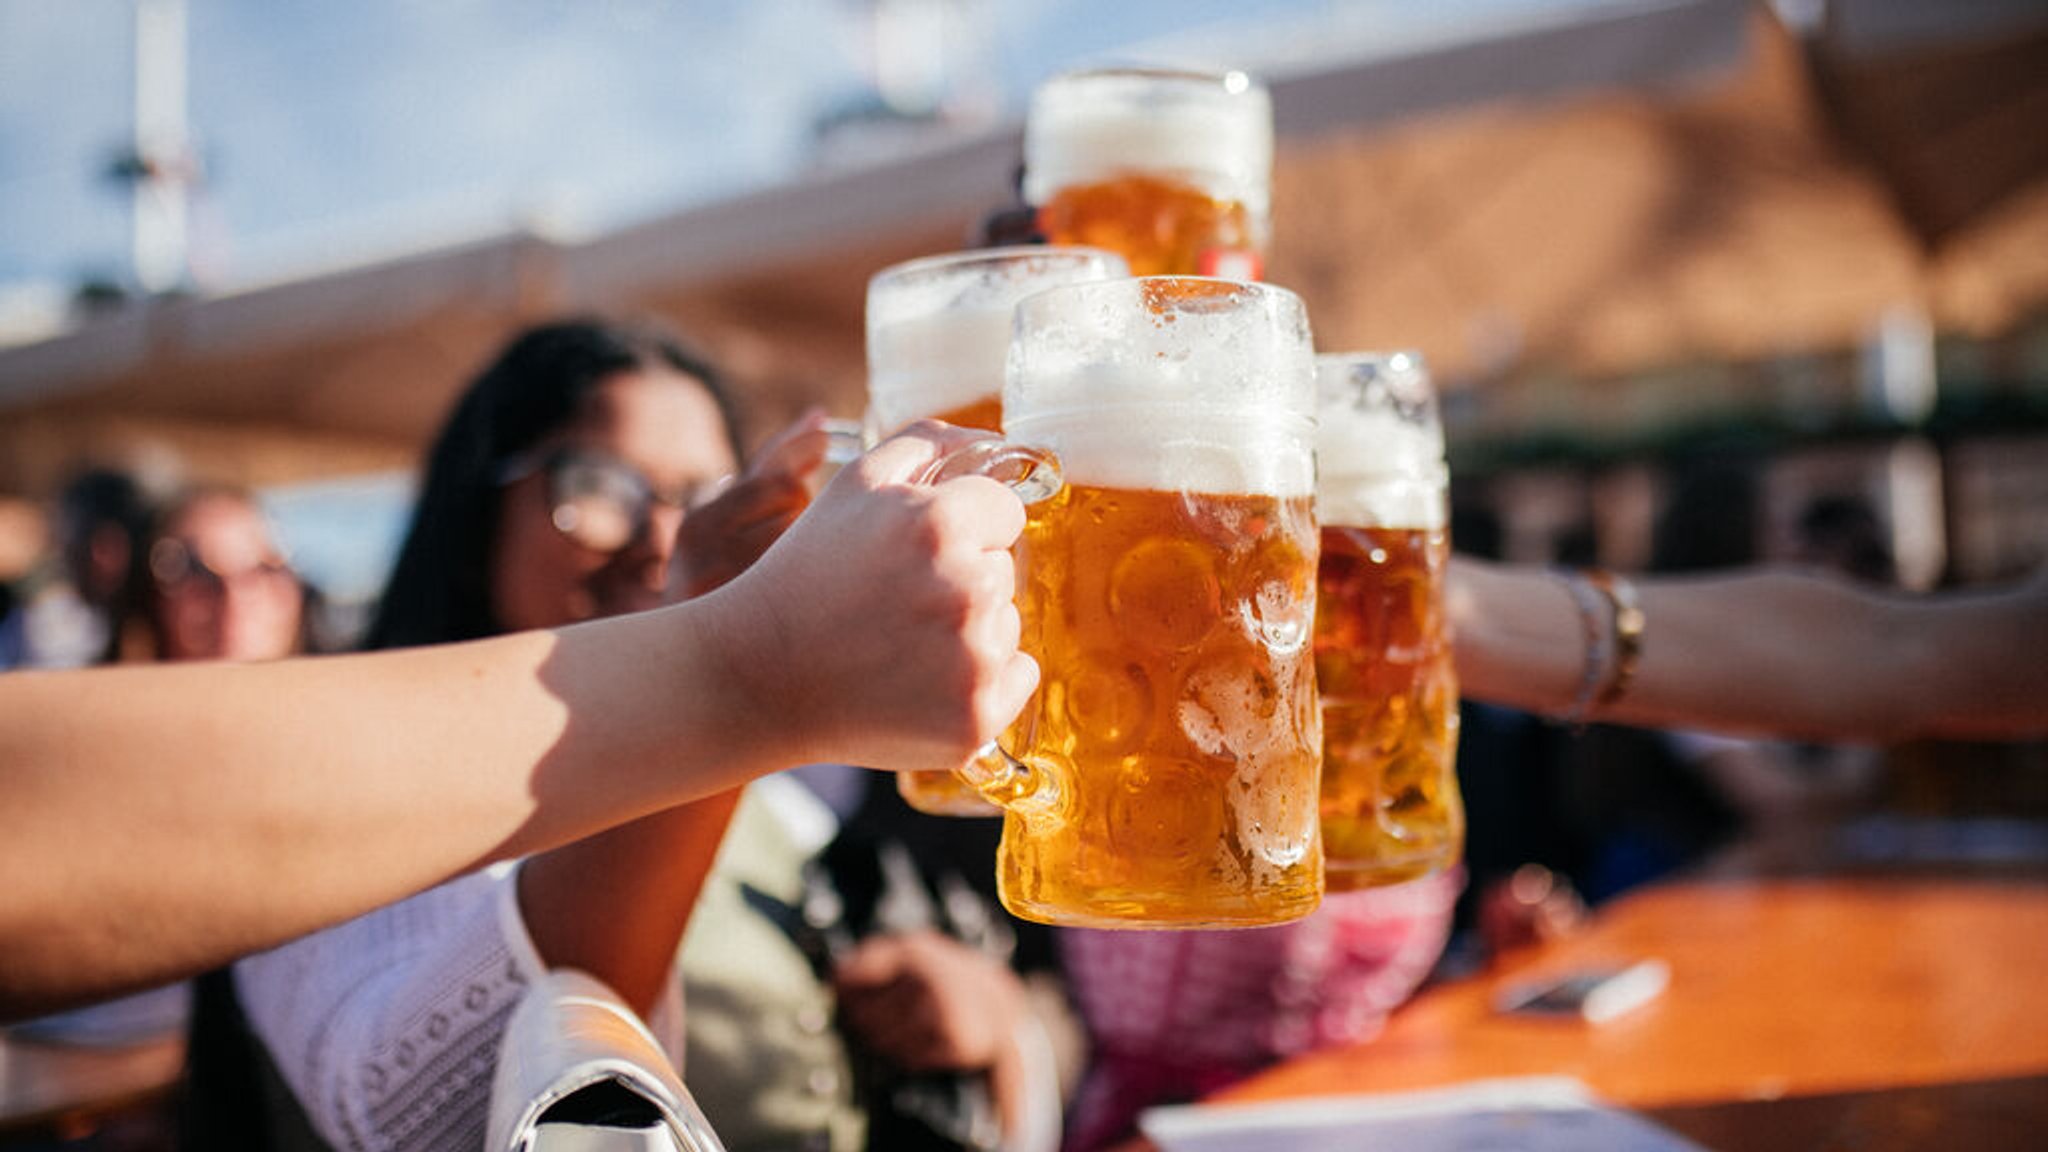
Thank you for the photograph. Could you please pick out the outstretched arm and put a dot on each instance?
(1770, 651)
(615, 904)
(161, 820)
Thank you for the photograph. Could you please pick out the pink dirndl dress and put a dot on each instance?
(1176, 1015)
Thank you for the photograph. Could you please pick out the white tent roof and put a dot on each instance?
(191, 356)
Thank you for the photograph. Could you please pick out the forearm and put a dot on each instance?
(615, 905)
(1516, 634)
(1775, 652)
(163, 819)
(1752, 652)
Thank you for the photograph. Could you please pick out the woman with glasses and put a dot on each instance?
(555, 493)
(219, 588)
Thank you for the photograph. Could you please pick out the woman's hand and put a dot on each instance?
(885, 616)
(723, 537)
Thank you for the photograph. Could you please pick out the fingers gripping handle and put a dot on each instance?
(1032, 473)
(845, 441)
(1009, 783)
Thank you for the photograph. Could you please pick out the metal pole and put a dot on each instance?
(162, 145)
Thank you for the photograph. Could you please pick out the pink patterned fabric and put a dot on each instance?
(1176, 1015)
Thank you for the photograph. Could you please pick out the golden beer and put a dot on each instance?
(985, 414)
(1390, 804)
(945, 794)
(1176, 720)
(1164, 773)
(1162, 226)
(1391, 809)
(1173, 170)
(938, 332)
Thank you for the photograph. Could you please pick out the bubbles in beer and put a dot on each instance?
(1227, 709)
(1275, 607)
(1220, 522)
(1273, 828)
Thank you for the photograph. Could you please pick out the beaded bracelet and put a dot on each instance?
(1627, 634)
(1599, 644)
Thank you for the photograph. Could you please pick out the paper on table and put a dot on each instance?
(1534, 1114)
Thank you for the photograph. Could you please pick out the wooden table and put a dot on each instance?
(1870, 1014)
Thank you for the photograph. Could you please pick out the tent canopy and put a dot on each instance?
(1644, 183)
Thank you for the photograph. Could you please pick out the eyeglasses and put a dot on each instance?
(600, 501)
(177, 569)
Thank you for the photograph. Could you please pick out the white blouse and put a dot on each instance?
(387, 1027)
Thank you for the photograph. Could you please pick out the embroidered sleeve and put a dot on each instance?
(387, 1027)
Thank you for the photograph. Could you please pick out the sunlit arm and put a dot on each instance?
(161, 820)
(1770, 651)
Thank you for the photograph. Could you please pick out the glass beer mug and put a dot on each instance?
(938, 332)
(1164, 774)
(1391, 809)
(1173, 170)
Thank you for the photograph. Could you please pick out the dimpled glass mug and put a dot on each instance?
(938, 334)
(1391, 809)
(1164, 775)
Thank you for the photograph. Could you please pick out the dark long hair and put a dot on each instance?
(439, 591)
(440, 587)
(103, 500)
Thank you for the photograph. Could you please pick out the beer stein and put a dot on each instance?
(1171, 169)
(1164, 773)
(938, 331)
(1390, 809)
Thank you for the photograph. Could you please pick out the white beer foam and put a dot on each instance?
(1085, 129)
(1197, 386)
(1083, 358)
(1407, 503)
(1177, 447)
(924, 365)
(1379, 443)
(1377, 471)
(938, 328)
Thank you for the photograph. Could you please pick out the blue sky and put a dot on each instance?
(326, 126)
(334, 127)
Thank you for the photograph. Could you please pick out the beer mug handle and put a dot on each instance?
(845, 441)
(1032, 473)
(1007, 782)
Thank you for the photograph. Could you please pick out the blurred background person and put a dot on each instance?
(556, 492)
(219, 587)
(71, 613)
